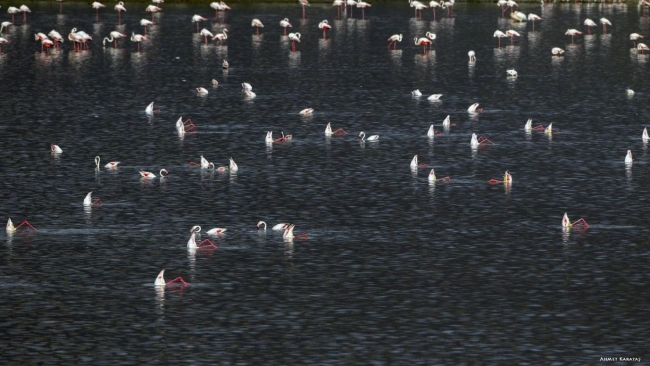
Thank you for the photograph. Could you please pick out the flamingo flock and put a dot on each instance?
(80, 42)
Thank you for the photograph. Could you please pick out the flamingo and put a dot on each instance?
(431, 36)
(418, 6)
(498, 34)
(149, 110)
(191, 244)
(197, 19)
(572, 33)
(512, 34)
(644, 135)
(5, 26)
(146, 23)
(450, 7)
(338, 4)
(119, 8)
(306, 111)
(518, 16)
(434, 97)
(11, 229)
(566, 224)
(149, 175)
(502, 4)
(628, 157)
(82, 38)
(288, 233)
(294, 37)
(507, 178)
(160, 280)
(605, 23)
(472, 56)
(221, 36)
(557, 51)
(474, 141)
(205, 34)
(249, 94)
(351, 3)
(338, 132)
(233, 166)
(512, 73)
(533, 17)
(13, 10)
(431, 133)
(269, 137)
(111, 165)
(392, 40)
(24, 9)
(303, 3)
(433, 5)
(634, 37)
(215, 82)
(549, 129)
(362, 137)
(629, 92)
(473, 108)
(277, 227)
(55, 148)
(202, 91)
(446, 123)
(640, 47)
(56, 37)
(97, 5)
(284, 23)
(282, 139)
(324, 26)
(422, 41)
(47, 43)
(246, 86)
(205, 163)
(215, 231)
(88, 200)
(414, 163)
(218, 6)
(41, 37)
(416, 93)
(363, 5)
(511, 4)
(152, 9)
(589, 23)
(114, 37)
(432, 176)
(257, 24)
(138, 38)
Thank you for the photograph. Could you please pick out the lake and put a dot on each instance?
(396, 269)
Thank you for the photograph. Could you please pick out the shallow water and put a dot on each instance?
(395, 270)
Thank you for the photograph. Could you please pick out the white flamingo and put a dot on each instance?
(197, 19)
(110, 165)
(55, 149)
(294, 37)
(205, 34)
(220, 37)
(119, 8)
(115, 35)
(324, 26)
(362, 137)
(97, 5)
(257, 24)
(284, 23)
(392, 40)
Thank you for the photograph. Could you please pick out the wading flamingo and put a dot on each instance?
(294, 37)
(13, 10)
(152, 9)
(605, 23)
(24, 9)
(324, 26)
(205, 34)
(220, 37)
(119, 8)
(634, 37)
(284, 23)
(138, 38)
(146, 23)
(533, 17)
(97, 5)
(422, 41)
(197, 19)
(589, 23)
(114, 37)
(303, 3)
(257, 24)
(498, 34)
(572, 33)
(392, 40)
(363, 5)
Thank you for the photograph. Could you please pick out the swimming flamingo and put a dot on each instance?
(277, 227)
(392, 40)
(192, 245)
(644, 135)
(55, 148)
(150, 110)
(446, 123)
(221, 36)
(24, 9)
(473, 108)
(214, 82)
(557, 51)
(153, 9)
(605, 23)
(363, 5)
(634, 37)
(628, 157)
(137, 38)
(114, 37)
(512, 73)
(284, 23)
(307, 111)
(269, 137)
(498, 34)
(294, 37)
(434, 97)
(303, 3)
(572, 33)
(362, 137)
(415, 165)
(472, 57)
(512, 34)
(148, 175)
(145, 23)
(324, 26)
(288, 233)
(97, 5)
(249, 94)
(474, 141)
(589, 23)
(257, 24)
(111, 165)
(338, 132)
(431, 133)
(422, 41)
(13, 10)
(215, 231)
(566, 224)
(12, 229)
(416, 93)
(197, 19)
(233, 166)
(120, 8)
(432, 177)
(205, 34)
(202, 91)
(88, 201)
(160, 280)
(533, 17)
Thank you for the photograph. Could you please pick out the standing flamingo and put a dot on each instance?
(303, 3)
(120, 8)
(24, 9)
(589, 23)
(422, 41)
(40, 37)
(257, 24)
(97, 5)
(47, 43)
(284, 23)
(4, 26)
(433, 5)
(294, 37)
(392, 40)
(145, 23)
(418, 6)
(114, 37)
(634, 37)
(13, 10)
(205, 34)
(512, 34)
(363, 5)
(533, 17)
(197, 19)
(572, 33)
(472, 56)
(152, 9)
(640, 47)
(56, 37)
(498, 34)
(605, 23)
(339, 4)
(325, 26)
(138, 38)
(221, 36)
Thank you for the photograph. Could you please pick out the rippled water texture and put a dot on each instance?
(396, 270)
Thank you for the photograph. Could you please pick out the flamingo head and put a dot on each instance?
(195, 229)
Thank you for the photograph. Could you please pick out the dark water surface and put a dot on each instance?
(395, 270)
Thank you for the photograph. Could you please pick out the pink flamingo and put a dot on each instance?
(324, 25)
(303, 3)
(422, 41)
(97, 5)
(138, 38)
(120, 8)
(197, 19)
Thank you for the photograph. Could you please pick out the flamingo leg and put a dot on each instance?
(97, 16)
(115, 43)
(153, 14)
(303, 12)
(61, 7)
(119, 17)
(24, 18)
(363, 14)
